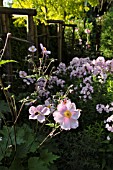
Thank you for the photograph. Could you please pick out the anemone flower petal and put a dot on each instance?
(32, 116)
(32, 110)
(48, 52)
(58, 117)
(74, 123)
(41, 118)
(71, 107)
(45, 111)
(41, 46)
(39, 108)
(61, 107)
(66, 124)
(75, 114)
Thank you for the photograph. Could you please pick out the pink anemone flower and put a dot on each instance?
(39, 113)
(32, 49)
(44, 50)
(22, 74)
(87, 31)
(67, 115)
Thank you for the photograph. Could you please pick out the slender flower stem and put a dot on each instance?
(6, 41)
(19, 113)
(49, 135)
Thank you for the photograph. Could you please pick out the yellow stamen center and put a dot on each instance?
(32, 48)
(67, 114)
(49, 106)
(44, 49)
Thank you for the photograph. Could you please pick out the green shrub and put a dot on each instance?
(106, 41)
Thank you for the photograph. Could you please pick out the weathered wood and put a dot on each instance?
(59, 32)
(20, 39)
(53, 36)
(47, 35)
(41, 35)
(44, 32)
(55, 21)
(30, 28)
(5, 14)
(19, 11)
(59, 36)
(36, 39)
(70, 25)
(73, 40)
(4, 23)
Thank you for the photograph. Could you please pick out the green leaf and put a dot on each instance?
(33, 147)
(22, 151)
(1, 156)
(35, 163)
(48, 157)
(53, 125)
(4, 108)
(16, 165)
(6, 61)
(50, 124)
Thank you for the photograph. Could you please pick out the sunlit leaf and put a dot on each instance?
(6, 61)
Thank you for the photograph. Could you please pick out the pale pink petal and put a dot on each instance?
(32, 116)
(32, 110)
(66, 124)
(71, 107)
(58, 117)
(45, 111)
(61, 107)
(39, 108)
(68, 103)
(41, 46)
(48, 52)
(41, 118)
(32, 48)
(75, 114)
(74, 123)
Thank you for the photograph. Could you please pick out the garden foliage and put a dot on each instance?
(107, 34)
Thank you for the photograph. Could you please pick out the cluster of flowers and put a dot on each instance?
(85, 70)
(40, 87)
(66, 114)
(109, 121)
(88, 32)
(80, 73)
(100, 108)
(84, 66)
(26, 79)
(86, 90)
(82, 69)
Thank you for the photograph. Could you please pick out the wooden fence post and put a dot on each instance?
(30, 29)
(73, 40)
(36, 39)
(59, 32)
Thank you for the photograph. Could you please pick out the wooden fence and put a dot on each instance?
(5, 14)
(32, 32)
